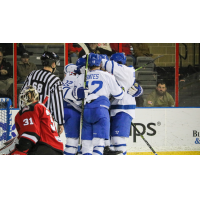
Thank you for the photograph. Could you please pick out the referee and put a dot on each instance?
(47, 83)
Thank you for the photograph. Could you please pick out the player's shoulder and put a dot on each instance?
(28, 108)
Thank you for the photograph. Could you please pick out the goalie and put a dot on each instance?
(37, 132)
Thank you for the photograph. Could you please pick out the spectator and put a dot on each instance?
(93, 48)
(24, 67)
(7, 49)
(140, 49)
(74, 50)
(160, 97)
(105, 46)
(125, 49)
(6, 75)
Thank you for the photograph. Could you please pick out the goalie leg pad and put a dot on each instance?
(9, 146)
(98, 144)
(71, 146)
(119, 144)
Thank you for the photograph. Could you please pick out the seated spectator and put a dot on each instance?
(140, 49)
(74, 49)
(24, 68)
(160, 97)
(125, 49)
(6, 76)
(93, 48)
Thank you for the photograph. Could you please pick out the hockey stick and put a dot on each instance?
(45, 100)
(151, 61)
(86, 67)
(144, 138)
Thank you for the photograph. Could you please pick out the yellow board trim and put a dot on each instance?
(166, 153)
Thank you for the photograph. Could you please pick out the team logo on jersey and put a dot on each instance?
(117, 132)
(25, 108)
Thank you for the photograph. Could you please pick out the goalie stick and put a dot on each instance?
(151, 61)
(144, 138)
(45, 100)
(86, 67)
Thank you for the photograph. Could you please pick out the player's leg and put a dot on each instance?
(98, 146)
(101, 130)
(71, 126)
(120, 129)
(119, 143)
(87, 133)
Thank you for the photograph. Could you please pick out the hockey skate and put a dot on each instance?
(108, 151)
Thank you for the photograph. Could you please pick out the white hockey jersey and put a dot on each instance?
(69, 82)
(102, 83)
(125, 76)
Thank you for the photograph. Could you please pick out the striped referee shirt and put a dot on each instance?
(49, 84)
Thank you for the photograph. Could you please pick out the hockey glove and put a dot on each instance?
(80, 93)
(135, 90)
(80, 70)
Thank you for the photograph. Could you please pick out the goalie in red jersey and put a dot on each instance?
(36, 128)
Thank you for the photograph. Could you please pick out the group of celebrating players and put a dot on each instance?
(108, 95)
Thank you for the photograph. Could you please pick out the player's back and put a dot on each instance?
(125, 76)
(35, 123)
(102, 84)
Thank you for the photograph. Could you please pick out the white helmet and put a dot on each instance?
(70, 68)
(26, 98)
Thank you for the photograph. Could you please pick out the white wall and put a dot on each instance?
(170, 129)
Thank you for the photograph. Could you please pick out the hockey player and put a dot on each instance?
(122, 111)
(96, 120)
(73, 92)
(36, 129)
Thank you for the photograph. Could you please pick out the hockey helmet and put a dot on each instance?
(119, 58)
(81, 62)
(104, 56)
(70, 68)
(28, 95)
(94, 60)
(48, 58)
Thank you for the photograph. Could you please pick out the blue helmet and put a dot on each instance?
(81, 62)
(119, 57)
(94, 60)
(104, 56)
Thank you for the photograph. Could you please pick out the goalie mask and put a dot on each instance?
(28, 95)
(119, 58)
(48, 58)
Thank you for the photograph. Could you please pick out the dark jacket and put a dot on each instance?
(97, 51)
(6, 66)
